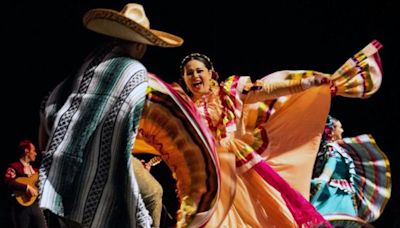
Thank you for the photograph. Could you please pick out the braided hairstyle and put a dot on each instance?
(327, 136)
(196, 56)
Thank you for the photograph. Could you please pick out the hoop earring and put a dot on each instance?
(213, 83)
(214, 75)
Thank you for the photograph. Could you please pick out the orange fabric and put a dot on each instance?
(168, 128)
(255, 202)
(293, 132)
(295, 136)
(142, 147)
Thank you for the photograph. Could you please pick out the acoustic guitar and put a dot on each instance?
(21, 196)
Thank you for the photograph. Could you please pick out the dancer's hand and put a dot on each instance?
(185, 213)
(321, 78)
(317, 79)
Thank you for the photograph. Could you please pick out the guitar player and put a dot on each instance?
(20, 178)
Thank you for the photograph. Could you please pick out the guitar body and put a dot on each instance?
(21, 197)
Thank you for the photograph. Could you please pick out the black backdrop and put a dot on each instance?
(43, 42)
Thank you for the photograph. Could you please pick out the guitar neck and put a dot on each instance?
(154, 161)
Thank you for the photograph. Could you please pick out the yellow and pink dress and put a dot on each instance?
(212, 190)
(243, 156)
(258, 196)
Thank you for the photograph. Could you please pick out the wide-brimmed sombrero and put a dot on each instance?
(130, 24)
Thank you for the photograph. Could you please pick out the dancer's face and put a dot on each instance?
(197, 77)
(337, 130)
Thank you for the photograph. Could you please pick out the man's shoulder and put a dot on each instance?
(16, 165)
(123, 63)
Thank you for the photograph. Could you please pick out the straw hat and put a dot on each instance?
(130, 24)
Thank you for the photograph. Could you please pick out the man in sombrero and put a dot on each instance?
(88, 126)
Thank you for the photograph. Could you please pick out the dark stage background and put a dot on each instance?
(43, 42)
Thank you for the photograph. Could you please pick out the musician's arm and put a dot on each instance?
(9, 180)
